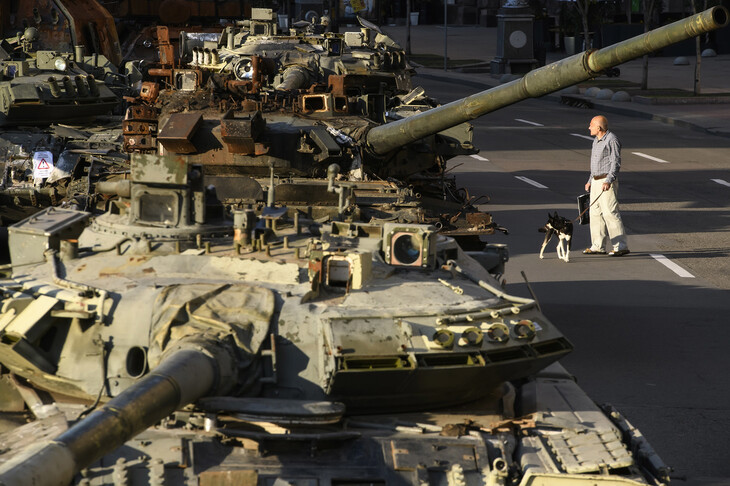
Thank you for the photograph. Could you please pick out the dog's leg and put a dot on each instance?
(564, 247)
(561, 253)
(548, 235)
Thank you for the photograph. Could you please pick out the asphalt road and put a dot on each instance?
(651, 328)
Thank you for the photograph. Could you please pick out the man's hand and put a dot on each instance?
(606, 186)
(588, 187)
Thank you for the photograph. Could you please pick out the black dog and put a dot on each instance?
(563, 227)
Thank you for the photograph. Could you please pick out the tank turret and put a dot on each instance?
(40, 87)
(252, 100)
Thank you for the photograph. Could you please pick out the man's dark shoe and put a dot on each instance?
(588, 251)
(623, 252)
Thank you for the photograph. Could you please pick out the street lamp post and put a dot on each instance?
(408, 27)
(446, 35)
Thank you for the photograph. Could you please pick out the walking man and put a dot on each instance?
(603, 186)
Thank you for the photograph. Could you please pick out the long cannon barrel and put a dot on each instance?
(542, 81)
(187, 374)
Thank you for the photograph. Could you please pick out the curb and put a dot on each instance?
(456, 80)
(626, 111)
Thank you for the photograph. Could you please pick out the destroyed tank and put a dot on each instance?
(44, 160)
(172, 341)
(263, 70)
(63, 25)
(253, 102)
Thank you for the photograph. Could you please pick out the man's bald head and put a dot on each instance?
(598, 126)
(601, 121)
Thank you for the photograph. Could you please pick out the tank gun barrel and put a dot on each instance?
(121, 187)
(182, 377)
(542, 81)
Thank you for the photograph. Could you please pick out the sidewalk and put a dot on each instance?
(480, 43)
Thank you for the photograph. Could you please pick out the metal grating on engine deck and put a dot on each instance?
(589, 451)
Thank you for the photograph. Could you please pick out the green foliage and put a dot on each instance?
(597, 13)
(539, 8)
(570, 20)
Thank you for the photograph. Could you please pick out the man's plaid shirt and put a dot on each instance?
(606, 157)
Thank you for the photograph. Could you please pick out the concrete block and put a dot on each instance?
(483, 17)
(621, 96)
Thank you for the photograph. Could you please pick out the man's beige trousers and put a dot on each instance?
(605, 218)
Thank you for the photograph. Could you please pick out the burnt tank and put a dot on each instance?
(254, 102)
(64, 25)
(180, 339)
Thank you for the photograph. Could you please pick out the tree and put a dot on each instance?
(648, 8)
(698, 51)
(408, 27)
(582, 6)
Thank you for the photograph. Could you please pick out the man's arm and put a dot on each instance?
(613, 149)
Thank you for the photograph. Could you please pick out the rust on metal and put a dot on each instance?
(177, 134)
(510, 425)
(229, 478)
(478, 219)
(140, 129)
(241, 134)
(161, 72)
(82, 23)
(336, 84)
(141, 112)
(165, 47)
(150, 91)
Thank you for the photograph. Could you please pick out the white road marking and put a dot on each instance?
(655, 159)
(531, 182)
(582, 136)
(479, 157)
(529, 122)
(672, 266)
(720, 181)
